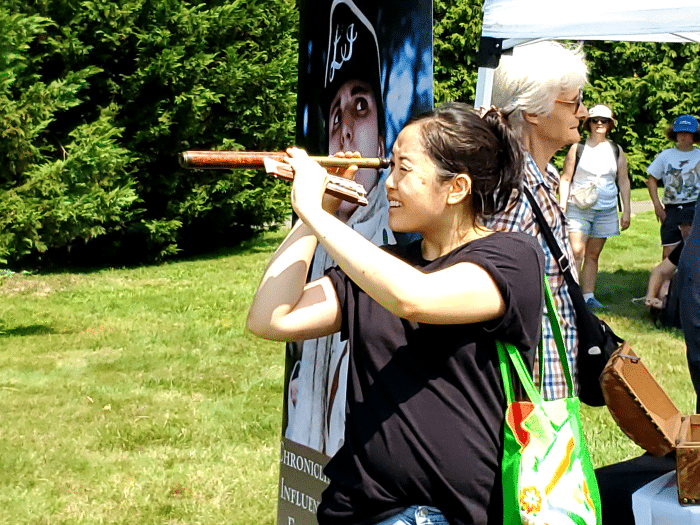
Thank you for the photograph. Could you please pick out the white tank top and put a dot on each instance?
(598, 160)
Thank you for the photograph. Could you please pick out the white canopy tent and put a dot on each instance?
(508, 23)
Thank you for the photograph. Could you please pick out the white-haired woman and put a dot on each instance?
(594, 172)
(539, 88)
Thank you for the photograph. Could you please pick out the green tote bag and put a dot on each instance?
(548, 477)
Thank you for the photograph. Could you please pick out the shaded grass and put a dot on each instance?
(136, 397)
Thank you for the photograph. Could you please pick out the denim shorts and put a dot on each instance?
(416, 515)
(599, 224)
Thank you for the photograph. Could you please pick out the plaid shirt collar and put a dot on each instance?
(533, 175)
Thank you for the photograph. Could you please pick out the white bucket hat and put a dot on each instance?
(602, 111)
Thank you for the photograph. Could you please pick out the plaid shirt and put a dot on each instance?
(518, 216)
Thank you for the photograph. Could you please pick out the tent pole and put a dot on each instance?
(487, 59)
(484, 87)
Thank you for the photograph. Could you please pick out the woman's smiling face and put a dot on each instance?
(417, 198)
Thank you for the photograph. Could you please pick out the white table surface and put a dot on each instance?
(656, 503)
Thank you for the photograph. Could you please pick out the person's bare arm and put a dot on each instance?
(463, 293)
(623, 182)
(567, 176)
(285, 306)
(653, 187)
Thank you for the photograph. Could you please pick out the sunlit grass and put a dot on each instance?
(135, 396)
(624, 272)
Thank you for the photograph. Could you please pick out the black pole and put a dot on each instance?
(490, 50)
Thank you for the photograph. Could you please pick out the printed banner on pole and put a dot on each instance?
(365, 68)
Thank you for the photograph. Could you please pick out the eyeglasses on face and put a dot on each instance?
(578, 101)
(600, 120)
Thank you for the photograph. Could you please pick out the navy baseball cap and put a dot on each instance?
(685, 123)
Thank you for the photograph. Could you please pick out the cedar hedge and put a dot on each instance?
(98, 97)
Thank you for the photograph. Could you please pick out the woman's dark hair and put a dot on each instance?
(672, 135)
(459, 140)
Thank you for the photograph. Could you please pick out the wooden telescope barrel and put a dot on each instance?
(226, 160)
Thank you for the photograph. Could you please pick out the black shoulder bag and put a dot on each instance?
(596, 340)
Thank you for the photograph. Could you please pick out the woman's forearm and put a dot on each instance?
(404, 290)
(377, 272)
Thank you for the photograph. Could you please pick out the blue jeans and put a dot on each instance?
(416, 515)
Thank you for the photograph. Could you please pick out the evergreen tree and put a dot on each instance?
(98, 98)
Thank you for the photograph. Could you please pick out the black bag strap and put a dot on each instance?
(579, 152)
(562, 260)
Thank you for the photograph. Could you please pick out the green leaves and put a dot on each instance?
(456, 34)
(97, 98)
(647, 85)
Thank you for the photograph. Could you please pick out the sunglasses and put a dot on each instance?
(578, 101)
(600, 120)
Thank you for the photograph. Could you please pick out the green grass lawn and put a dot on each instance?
(135, 396)
(642, 194)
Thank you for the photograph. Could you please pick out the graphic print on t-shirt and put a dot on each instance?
(681, 185)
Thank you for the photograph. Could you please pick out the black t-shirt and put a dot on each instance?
(425, 403)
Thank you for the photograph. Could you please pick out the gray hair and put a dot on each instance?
(534, 76)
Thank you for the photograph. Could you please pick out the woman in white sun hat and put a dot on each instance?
(595, 172)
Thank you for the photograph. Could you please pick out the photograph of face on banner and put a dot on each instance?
(365, 68)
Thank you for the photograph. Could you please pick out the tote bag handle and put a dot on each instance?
(507, 350)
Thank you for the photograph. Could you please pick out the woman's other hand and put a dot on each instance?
(625, 220)
(660, 212)
(311, 179)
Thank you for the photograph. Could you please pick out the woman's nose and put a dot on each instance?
(582, 112)
(389, 182)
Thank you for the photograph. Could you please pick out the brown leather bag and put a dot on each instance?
(644, 412)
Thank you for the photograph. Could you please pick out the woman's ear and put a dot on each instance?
(460, 188)
(531, 118)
